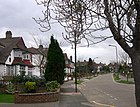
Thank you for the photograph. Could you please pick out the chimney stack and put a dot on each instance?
(71, 58)
(8, 34)
(40, 47)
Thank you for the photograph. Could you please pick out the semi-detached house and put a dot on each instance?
(14, 56)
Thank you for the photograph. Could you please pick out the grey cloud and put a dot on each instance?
(18, 13)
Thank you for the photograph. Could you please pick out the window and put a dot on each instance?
(18, 54)
(26, 56)
(30, 71)
(22, 68)
(10, 71)
(10, 59)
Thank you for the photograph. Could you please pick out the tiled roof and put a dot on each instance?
(19, 61)
(27, 63)
(8, 45)
(42, 51)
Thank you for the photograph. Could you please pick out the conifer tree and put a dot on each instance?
(56, 63)
(90, 65)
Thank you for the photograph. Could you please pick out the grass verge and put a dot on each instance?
(126, 82)
(79, 82)
(6, 98)
(117, 79)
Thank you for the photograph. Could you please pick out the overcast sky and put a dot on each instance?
(16, 16)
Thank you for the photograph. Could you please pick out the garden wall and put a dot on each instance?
(37, 97)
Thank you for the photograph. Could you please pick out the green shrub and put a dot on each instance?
(79, 82)
(30, 86)
(52, 86)
(17, 79)
(22, 79)
(116, 76)
(22, 73)
(40, 82)
(10, 88)
(2, 85)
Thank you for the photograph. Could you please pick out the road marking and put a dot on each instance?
(115, 98)
(111, 96)
(83, 84)
(101, 104)
(107, 94)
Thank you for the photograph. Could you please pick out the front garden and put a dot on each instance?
(28, 89)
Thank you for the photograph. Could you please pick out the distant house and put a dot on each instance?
(69, 67)
(83, 66)
(69, 64)
(38, 59)
(14, 56)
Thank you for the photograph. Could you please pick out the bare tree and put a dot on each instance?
(39, 54)
(124, 58)
(76, 16)
(76, 19)
(121, 17)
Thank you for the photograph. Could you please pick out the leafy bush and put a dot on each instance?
(52, 86)
(22, 79)
(40, 82)
(10, 88)
(2, 85)
(116, 76)
(79, 82)
(22, 73)
(17, 79)
(30, 86)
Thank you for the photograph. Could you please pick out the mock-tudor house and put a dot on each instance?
(69, 66)
(14, 56)
(39, 59)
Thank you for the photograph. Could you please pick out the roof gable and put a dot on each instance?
(8, 45)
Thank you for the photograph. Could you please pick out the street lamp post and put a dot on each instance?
(116, 54)
(75, 43)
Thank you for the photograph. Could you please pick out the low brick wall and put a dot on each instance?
(37, 97)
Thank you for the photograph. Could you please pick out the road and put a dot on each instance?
(104, 92)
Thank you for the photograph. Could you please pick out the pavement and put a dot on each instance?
(68, 98)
